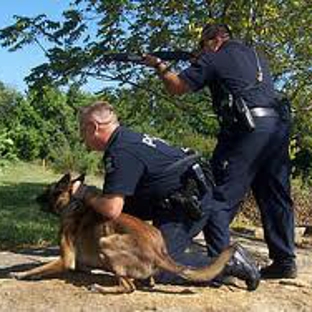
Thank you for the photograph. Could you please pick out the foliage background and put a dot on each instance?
(42, 124)
(44, 121)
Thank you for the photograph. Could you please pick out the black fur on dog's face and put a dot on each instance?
(58, 195)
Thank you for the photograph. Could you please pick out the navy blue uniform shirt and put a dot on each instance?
(234, 66)
(135, 166)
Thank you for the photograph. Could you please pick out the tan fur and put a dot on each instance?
(128, 247)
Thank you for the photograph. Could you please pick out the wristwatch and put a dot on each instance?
(161, 70)
(158, 63)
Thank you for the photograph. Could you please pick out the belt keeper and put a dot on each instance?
(263, 112)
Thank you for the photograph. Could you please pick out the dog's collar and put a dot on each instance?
(74, 205)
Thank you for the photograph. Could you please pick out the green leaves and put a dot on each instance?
(6, 147)
(89, 27)
(74, 46)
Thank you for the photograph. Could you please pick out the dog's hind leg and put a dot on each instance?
(151, 282)
(146, 283)
(126, 286)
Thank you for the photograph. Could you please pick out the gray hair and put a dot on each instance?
(100, 111)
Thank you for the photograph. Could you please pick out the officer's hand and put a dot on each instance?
(151, 60)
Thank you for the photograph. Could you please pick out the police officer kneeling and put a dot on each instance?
(146, 177)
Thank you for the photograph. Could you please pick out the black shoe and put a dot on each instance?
(243, 267)
(279, 270)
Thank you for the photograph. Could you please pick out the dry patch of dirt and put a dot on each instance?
(70, 291)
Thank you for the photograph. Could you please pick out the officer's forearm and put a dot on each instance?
(173, 83)
(109, 206)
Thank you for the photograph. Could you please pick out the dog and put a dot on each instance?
(129, 248)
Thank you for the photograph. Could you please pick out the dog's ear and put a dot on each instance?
(81, 178)
(64, 182)
(76, 183)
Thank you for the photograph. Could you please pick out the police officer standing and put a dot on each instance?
(252, 147)
(148, 178)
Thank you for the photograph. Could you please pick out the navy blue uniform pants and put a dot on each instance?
(178, 230)
(258, 161)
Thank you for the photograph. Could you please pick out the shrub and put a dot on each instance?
(66, 158)
(7, 151)
(302, 198)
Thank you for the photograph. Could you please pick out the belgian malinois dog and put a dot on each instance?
(129, 248)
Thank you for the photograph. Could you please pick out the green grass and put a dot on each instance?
(22, 224)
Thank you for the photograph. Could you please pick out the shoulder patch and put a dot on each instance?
(109, 164)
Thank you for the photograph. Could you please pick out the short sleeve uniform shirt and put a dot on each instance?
(234, 66)
(135, 166)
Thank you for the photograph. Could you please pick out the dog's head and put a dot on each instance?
(58, 195)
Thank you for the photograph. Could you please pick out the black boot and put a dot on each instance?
(279, 270)
(243, 267)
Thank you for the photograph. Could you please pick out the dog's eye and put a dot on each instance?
(57, 193)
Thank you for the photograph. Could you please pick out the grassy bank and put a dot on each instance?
(21, 221)
(22, 224)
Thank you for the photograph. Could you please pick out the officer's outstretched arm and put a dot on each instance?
(173, 83)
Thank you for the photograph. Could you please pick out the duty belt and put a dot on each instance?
(263, 112)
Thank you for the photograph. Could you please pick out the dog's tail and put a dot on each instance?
(202, 274)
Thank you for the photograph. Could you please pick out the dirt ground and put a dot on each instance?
(70, 292)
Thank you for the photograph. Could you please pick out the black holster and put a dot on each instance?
(243, 115)
(195, 184)
(190, 204)
(235, 113)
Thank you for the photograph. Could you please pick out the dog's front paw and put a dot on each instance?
(95, 288)
(23, 276)
(17, 275)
